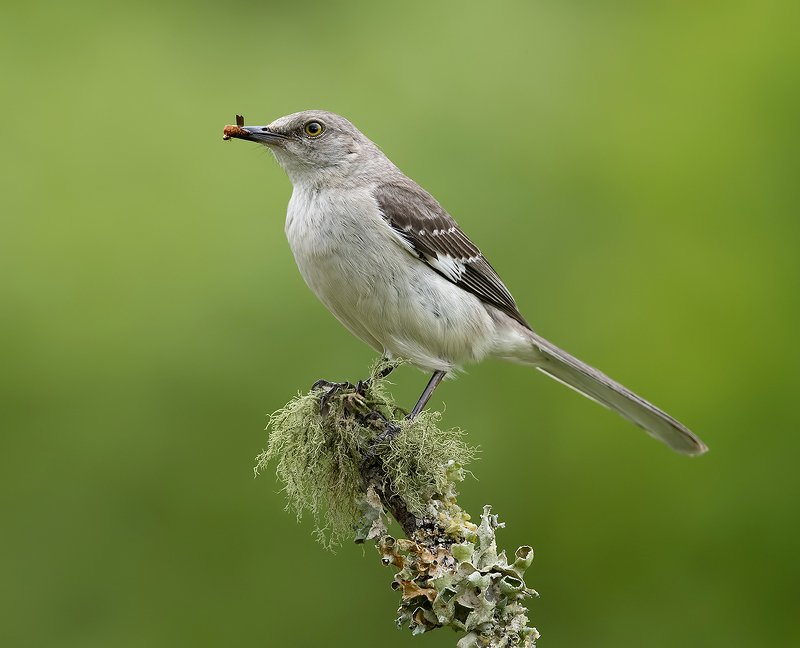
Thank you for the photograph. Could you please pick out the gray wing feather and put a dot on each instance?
(437, 240)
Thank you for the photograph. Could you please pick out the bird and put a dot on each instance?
(394, 267)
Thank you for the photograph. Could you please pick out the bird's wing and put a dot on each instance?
(431, 234)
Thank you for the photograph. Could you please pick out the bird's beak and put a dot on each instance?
(260, 134)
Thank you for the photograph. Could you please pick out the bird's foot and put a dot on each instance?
(331, 389)
(387, 429)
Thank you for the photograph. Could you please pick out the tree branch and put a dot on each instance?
(362, 461)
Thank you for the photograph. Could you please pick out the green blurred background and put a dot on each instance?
(630, 168)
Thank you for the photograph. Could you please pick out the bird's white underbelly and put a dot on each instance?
(355, 264)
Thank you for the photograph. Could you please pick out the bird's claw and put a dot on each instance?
(331, 389)
(388, 428)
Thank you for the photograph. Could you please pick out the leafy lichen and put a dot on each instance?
(469, 587)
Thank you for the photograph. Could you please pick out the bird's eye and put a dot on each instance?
(313, 129)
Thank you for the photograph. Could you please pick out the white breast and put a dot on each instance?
(361, 270)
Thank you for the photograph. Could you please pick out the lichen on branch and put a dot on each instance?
(320, 458)
(360, 460)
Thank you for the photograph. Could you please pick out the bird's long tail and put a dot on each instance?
(593, 384)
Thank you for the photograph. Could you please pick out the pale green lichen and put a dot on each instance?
(319, 458)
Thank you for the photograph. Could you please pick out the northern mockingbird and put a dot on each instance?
(395, 268)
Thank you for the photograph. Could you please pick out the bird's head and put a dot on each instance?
(312, 145)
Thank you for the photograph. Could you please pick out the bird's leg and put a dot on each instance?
(331, 388)
(386, 370)
(363, 385)
(433, 383)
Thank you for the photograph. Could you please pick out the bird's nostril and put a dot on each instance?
(265, 129)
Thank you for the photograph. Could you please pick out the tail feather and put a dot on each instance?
(593, 384)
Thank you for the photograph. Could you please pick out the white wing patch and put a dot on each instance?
(450, 267)
(402, 237)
